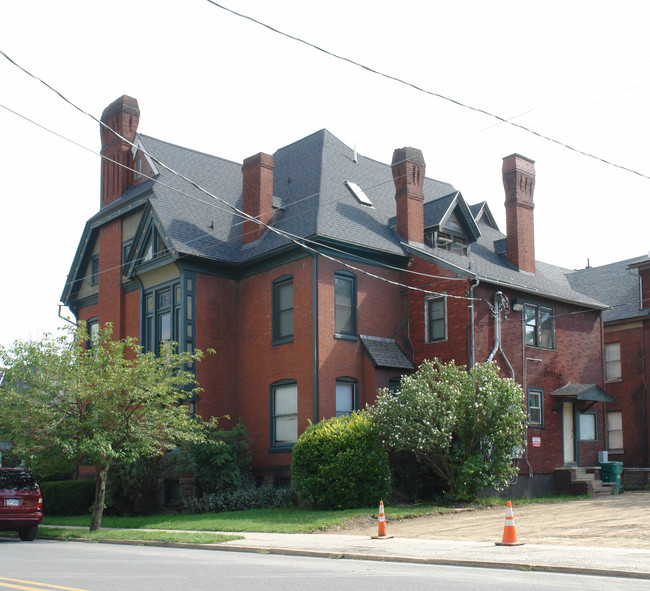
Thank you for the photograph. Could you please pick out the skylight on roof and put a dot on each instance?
(357, 191)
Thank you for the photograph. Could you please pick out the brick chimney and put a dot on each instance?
(519, 184)
(408, 169)
(257, 194)
(121, 116)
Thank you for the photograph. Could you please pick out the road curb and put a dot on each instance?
(381, 558)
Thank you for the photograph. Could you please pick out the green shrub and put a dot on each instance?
(251, 497)
(221, 464)
(133, 488)
(339, 463)
(67, 497)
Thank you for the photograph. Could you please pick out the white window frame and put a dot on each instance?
(615, 430)
(427, 333)
(613, 369)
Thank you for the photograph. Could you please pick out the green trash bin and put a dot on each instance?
(611, 472)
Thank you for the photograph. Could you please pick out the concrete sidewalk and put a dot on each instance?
(623, 562)
(591, 560)
(612, 562)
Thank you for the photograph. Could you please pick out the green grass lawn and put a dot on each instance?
(57, 533)
(294, 520)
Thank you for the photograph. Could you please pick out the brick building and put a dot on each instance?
(358, 271)
(625, 287)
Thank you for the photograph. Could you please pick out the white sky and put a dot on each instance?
(577, 71)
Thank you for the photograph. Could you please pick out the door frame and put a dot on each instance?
(569, 443)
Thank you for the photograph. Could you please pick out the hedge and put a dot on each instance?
(67, 497)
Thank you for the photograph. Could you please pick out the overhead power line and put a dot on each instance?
(438, 95)
(302, 243)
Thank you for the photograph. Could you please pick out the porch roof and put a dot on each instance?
(582, 392)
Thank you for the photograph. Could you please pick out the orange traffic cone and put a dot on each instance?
(381, 535)
(509, 530)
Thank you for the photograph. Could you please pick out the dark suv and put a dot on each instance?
(21, 504)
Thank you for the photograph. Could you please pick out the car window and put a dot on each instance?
(17, 480)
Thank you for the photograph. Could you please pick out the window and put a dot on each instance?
(536, 407)
(284, 414)
(92, 326)
(539, 326)
(357, 191)
(126, 251)
(283, 310)
(394, 385)
(155, 247)
(615, 430)
(612, 361)
(137, 168)
(94, 270)
(162, 316)
(346, 396)
(436, 319)
(345, 304)
(445, 241)
(587, 427)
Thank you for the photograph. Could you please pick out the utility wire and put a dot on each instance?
(244, 215)
(438, 95)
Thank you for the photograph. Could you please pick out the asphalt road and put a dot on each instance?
(67, 566)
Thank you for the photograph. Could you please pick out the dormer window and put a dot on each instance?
(155, 248)
(451, 242)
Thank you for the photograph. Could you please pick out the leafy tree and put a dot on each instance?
(463, 424)
(62, 400)
(340, 463)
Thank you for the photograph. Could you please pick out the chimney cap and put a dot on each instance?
(125, 104)
(517, 161)
(408, 155)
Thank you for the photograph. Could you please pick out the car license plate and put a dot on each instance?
(12, 502)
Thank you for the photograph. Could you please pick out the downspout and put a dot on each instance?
(471, 321)
(499, 298)
(525, 388)
(314, 329)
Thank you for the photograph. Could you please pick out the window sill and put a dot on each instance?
(345, 337)
(282, 341)
(281, 449)
(614, 381)
(615, 451)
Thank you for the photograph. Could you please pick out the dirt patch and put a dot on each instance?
(619, 521)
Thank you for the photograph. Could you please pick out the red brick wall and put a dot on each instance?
(630, 394)
(458, 313)
(260, 363)
(576, 357)
(110, 277)
(216, 320)
(381, 312)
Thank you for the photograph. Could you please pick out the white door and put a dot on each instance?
(568, 431)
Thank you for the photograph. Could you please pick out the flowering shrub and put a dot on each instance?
(463, 424)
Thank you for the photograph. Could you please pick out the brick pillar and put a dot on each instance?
(257, 194)
(519, 184)
(121, 116)
(408, 169)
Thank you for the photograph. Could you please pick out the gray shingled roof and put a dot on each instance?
(309, 185)
(489, 265)
(314, 202)
(614, 284)
(384, 352)
(582, 392)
